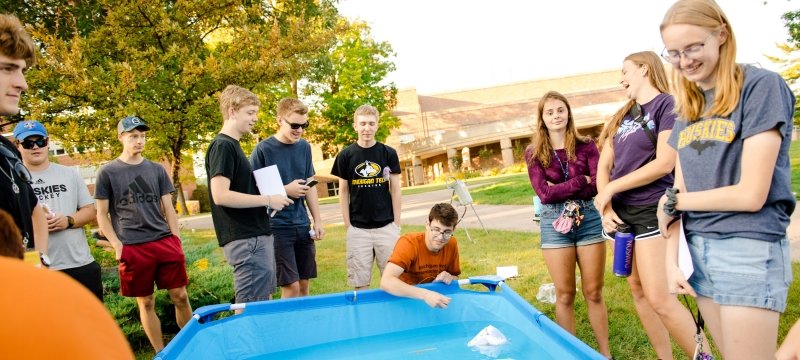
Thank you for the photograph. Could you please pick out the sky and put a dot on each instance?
(447, 45)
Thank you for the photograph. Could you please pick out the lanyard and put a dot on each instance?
(564, 167)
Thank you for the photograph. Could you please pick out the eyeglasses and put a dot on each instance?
(297, 126)
(446, 234)
(691, 52)
(15, 164)
(28, 144)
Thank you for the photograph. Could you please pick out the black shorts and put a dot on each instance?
(89, 276)
(641, 218)
(295, 255)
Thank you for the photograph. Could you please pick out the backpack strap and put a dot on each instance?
(638, 117)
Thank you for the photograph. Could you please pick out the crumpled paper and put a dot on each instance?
(488, 341)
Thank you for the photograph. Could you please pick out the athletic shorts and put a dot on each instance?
(253, 261)
(161, 262)
(741, 272)
(295, 255)
(642, 219)
(89, 276)
(365, 246)
(587, 233)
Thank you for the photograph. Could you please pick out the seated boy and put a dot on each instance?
(425, 257)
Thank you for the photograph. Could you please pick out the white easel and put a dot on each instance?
(464, 199)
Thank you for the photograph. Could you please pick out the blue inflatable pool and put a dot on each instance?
(375, 325)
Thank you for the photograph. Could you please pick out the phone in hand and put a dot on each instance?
(311, 183)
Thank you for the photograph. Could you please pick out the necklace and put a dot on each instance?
(564, 168)
(10, 176)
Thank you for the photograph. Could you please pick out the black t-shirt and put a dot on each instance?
(367, 173)
(21, 205)
(226, 158)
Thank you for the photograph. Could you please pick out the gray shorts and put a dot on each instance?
(253, 261)
(365, 246)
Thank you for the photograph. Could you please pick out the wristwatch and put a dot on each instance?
(70, 222)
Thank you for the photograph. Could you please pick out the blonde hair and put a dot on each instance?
(291, 106)
(236, 97)
(540, 146)
(689, 100)
(657, 78)
(15, 42)
(366, 109)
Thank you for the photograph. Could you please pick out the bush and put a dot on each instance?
(200, 194)
(210, 282)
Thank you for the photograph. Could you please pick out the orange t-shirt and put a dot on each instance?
(48, 315)
(420, 265)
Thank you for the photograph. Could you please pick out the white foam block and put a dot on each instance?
(506, 272)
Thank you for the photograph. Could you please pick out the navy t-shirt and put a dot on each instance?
(634, 149)
(367, 172)
(710, 154)
(294, 162)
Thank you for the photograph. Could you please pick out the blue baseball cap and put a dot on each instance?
(29, 128)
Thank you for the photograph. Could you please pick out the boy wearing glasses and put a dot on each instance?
(430, 256)
(369, 198)
(18, 53)
(70, 207)
(143, 228)
(295, 253)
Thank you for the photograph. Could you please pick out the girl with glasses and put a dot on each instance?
(562, 166)
(732, 182)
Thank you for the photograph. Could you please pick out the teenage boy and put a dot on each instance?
(295, 253)
(425, 257)
(143, 228)
(369, 198)
(71, 207)
(238, 211)
(18, 53)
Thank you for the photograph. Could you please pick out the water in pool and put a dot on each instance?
(448, 341)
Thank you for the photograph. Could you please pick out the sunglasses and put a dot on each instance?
(28, 144)
(14, 163)
(297, 126)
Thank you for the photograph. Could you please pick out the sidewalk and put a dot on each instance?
(494, 217)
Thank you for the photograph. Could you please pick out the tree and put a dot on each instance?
(791, 61)
(162, 60)
(350, 75)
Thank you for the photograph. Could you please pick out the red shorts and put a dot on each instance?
(161, 261)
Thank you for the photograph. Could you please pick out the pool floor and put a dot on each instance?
(447, 341)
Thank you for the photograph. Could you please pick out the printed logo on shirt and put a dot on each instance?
(629, 127)
(703, 134)
(138, 192)
(370, 173)
(47, 192)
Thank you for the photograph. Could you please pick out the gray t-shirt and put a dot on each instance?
(134, 199)
(710, 153)
(64, 191)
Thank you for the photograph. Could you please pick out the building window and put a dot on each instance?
(333, 188)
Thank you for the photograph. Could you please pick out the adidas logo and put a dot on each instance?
(39, 181)
(139, 192)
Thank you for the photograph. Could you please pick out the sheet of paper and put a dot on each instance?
(269, 181)
(684, 258)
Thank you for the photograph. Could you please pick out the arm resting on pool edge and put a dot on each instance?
(391, 283)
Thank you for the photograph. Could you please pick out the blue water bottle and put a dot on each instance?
(623, 251)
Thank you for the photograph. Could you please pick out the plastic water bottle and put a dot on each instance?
(547, 293)
(623, 251)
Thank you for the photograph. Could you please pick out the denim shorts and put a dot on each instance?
(589, 232)
(741, 272)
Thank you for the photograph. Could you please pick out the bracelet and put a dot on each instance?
(269, 202)
(672, 200)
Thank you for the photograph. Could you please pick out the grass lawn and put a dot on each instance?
(478, 257)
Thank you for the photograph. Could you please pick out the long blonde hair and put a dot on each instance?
(540, 144)
(657, 78)
(689, 100)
